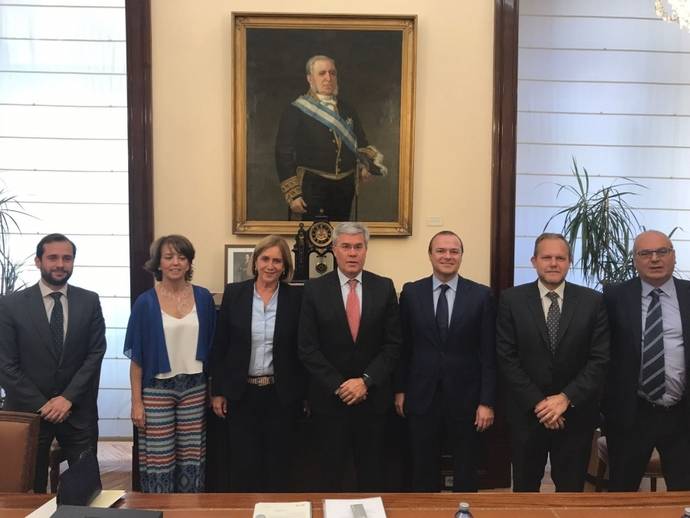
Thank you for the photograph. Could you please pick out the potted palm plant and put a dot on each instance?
(9, 269)
(600, 226)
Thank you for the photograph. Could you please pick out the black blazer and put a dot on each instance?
(328, 352)
(624, 304)
(232, 344)
(465, 364)
(578, 367)
(31, 373)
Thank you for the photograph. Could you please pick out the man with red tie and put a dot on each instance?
(349, 341)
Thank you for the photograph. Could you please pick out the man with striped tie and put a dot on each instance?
(646, 404)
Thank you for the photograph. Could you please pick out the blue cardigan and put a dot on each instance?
(145, 341)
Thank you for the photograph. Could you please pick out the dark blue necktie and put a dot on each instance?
(442, 313)
(653, 368)
(57, 324)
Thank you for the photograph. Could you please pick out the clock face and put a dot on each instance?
(320, 234)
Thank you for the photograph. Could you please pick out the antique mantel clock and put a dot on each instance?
(313, 250)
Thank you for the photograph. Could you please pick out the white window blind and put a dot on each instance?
(63, 154)
(609, 84)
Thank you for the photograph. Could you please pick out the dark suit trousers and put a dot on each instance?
(426, 433)
(665, 429)
(334, 197)
(261, 441)
(362, 435)
(568, 449)
(73, 441)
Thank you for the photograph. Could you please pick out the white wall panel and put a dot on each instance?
(610, 161)
(63, 89)
(90, 249)
(114, 403)
(574, 65)
(52, 154)
(115, 374)
(70, 122)
(651, 194)
(89, 57)
(109, 427)
(75, 23)
(600, 33)
(530, 220)
(618, 130)
(623, 8)
(604, 98)
(77, 219)
(59, 186)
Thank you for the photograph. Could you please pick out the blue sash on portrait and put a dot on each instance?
(341, 127)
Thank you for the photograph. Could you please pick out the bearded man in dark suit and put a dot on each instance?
(52, 342)
(552, 342)
(349, 341)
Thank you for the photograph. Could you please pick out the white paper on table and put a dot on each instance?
(283, 509)
(341, 508)
(46, 510)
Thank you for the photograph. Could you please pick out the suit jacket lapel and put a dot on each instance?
(683, 294)
(427, 305)
(368, 293)
(282, 303)
(336, 295)
(535, 307)
(634, 309)
(459, 305)
(246, 309)
(570, 297)
(37, 313)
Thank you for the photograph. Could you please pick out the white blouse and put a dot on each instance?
(181, 337)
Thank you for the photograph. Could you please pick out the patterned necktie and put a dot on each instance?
(442, 313)
(57, 324)
(352, 309)
(653, 371)
(553, 317)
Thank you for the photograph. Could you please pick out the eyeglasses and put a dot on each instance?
(444, 251)
(346, 247)
(648, 252)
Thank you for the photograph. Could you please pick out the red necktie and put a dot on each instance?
(352, 309)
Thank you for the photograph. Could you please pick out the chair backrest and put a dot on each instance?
(19, 439)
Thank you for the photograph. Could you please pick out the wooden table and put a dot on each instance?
(400, 505)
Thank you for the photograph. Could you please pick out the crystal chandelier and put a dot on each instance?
(679, 12)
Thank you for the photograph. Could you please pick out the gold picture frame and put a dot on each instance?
(375, 59)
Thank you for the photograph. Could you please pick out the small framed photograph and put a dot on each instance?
(238, 260)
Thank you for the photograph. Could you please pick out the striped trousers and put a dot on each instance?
(172, 448)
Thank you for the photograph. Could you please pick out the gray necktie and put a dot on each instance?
(653, 368)
(57, 324)
(553, 317)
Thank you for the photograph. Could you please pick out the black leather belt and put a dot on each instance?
(657, 406)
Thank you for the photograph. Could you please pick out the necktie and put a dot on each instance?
(653, 371)
(57, 322)
(442, 313)
(352, 309)
(552, 319)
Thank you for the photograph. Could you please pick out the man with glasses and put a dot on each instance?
(646, 404)
(349, 341)
(446, 382)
